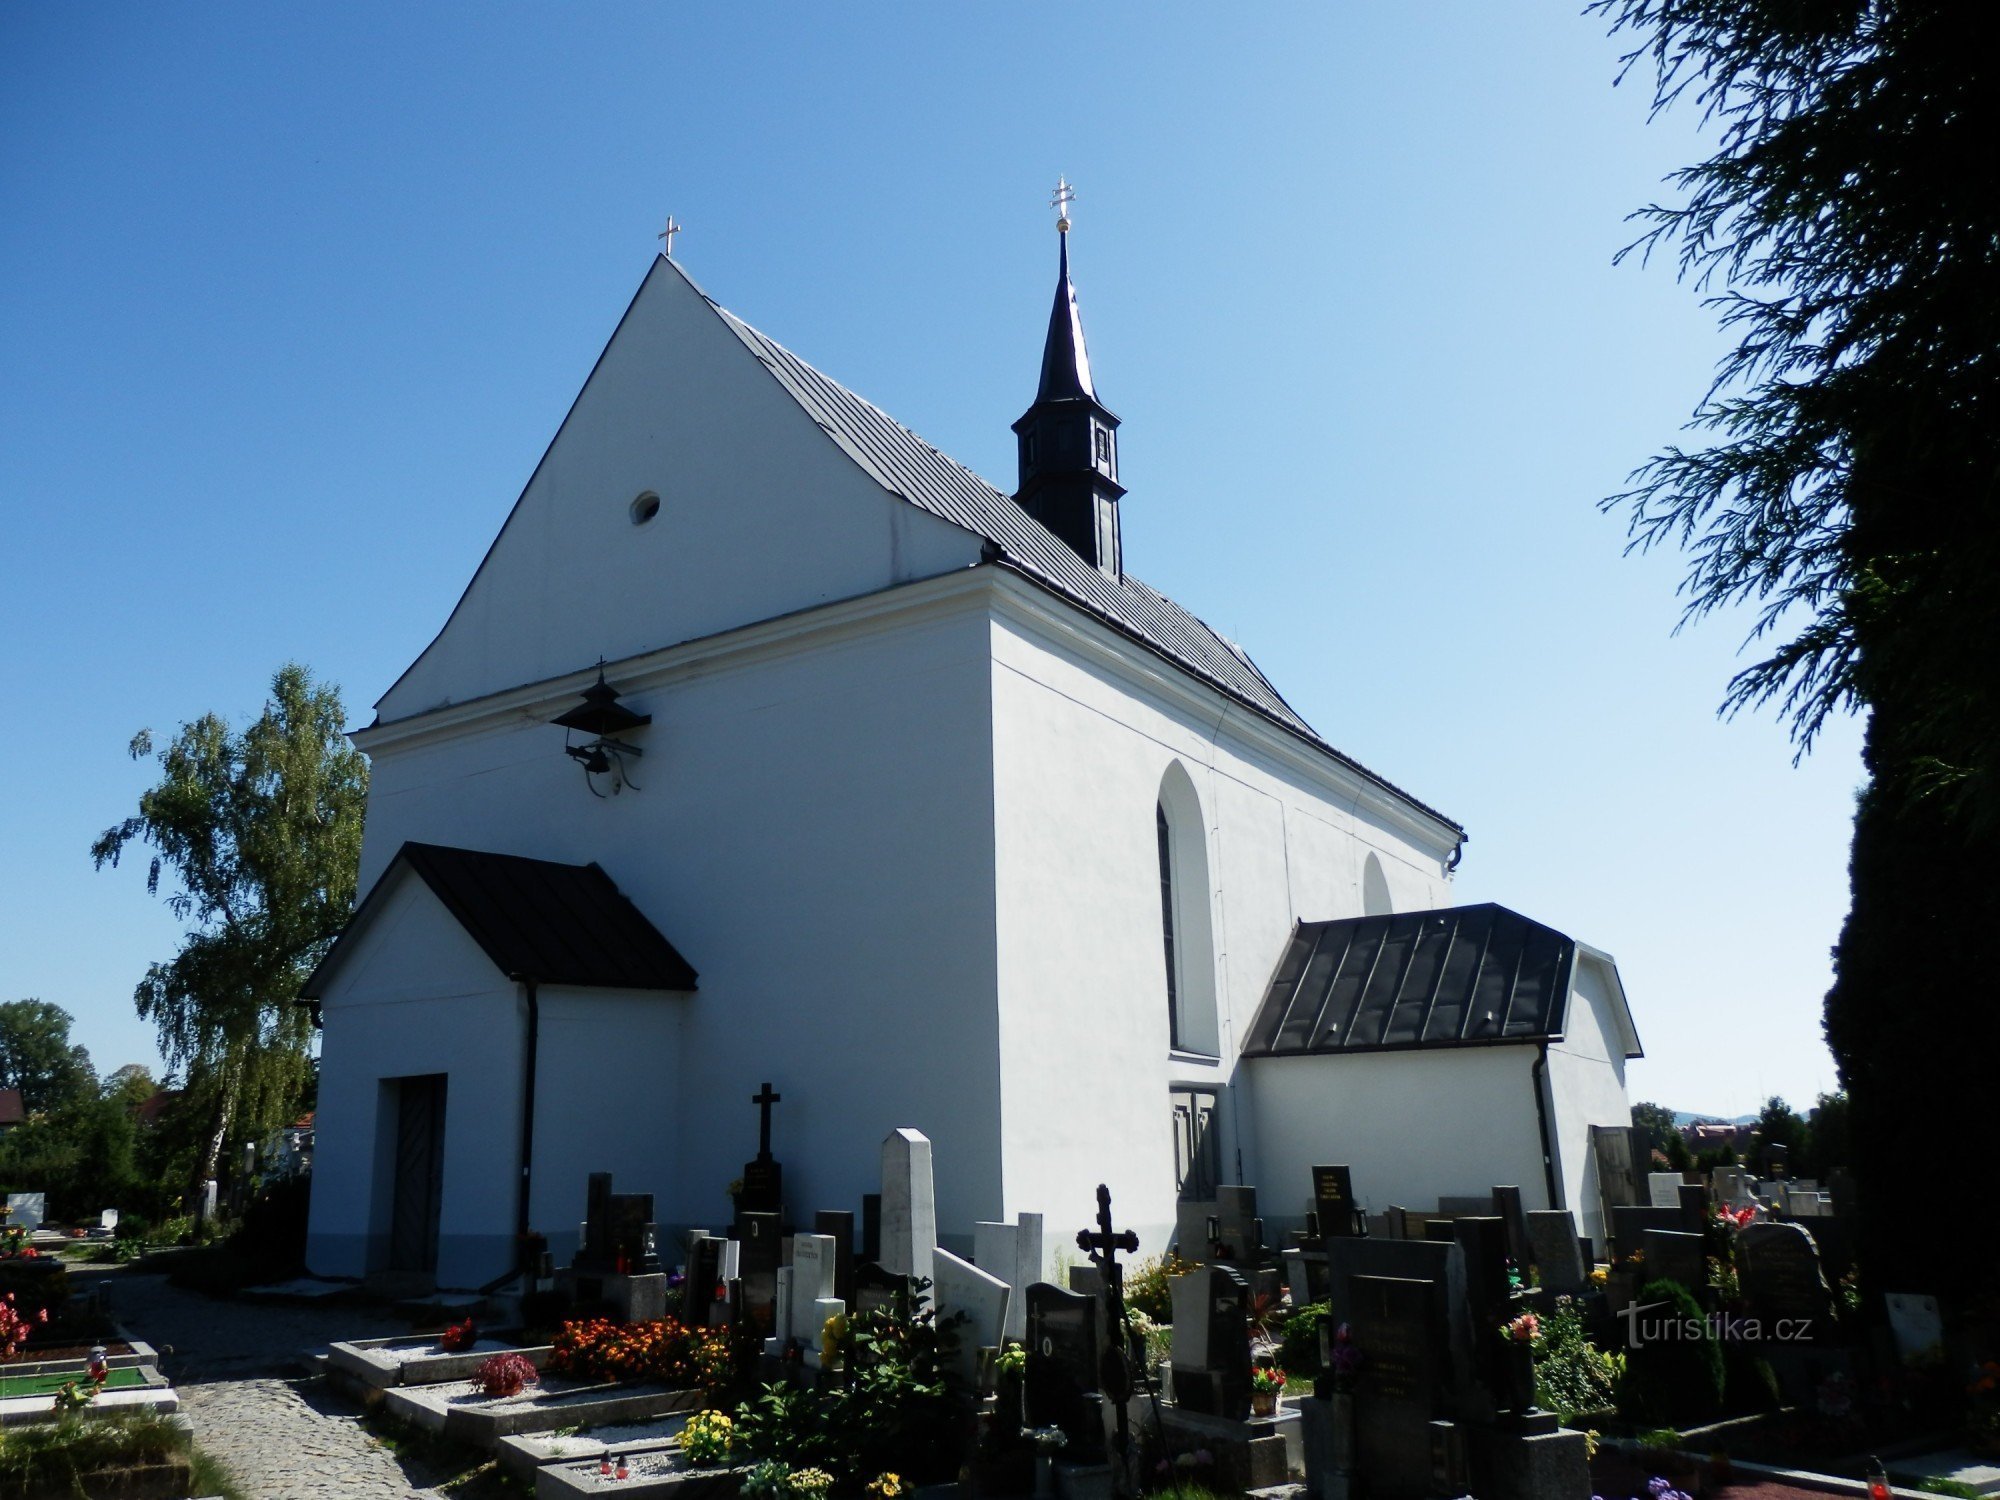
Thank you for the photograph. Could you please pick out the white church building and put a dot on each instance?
(902, 795)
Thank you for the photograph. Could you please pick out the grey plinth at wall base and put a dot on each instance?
(1540, 1466)
(653, 1474)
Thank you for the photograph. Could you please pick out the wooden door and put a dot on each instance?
(419, 1187)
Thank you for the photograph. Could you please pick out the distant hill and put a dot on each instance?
(1685, 1117)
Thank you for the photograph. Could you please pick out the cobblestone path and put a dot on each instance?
(282, 1435)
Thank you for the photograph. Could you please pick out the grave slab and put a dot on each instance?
(457, 1410)
(524, 1453)
(650, 1472)
(418, 1360)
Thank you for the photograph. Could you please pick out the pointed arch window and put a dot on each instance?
(1187, 939)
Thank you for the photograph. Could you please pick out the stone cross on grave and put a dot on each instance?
(764, 1099)
(1103, 1246)
(763, 1179)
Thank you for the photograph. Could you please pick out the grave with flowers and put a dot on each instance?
(367, 1368)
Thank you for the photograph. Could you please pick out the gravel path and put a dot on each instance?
(283, 1436)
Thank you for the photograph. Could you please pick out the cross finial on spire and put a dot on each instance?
(1060, 200)
(668, 234)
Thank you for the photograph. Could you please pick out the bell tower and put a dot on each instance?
(1068, 440)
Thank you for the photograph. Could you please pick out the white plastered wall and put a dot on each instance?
(417, 996)
(1415, 1125)
(761, 515)
(1587, 1075)
(1085, 728)
(813, 832)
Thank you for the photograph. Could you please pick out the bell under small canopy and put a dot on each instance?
(601, 713)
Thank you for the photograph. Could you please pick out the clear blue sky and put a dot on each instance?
(292, 297)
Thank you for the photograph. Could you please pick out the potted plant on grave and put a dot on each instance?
(1267, 1383)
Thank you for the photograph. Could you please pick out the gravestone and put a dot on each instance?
(1239, 1231)
(1333, 1201)
(1211, 1350)
(1061, 1376)
(701, 1291)
(1397, 1385)
(1778, 1161)
(763, 1177)
(634, 1236)
(1013, 1252)
(1305, 1275)
(781, 1312)
(1629, 1226)
(838, 1225)
(1694, 1207)
(1916, 1324)
(909, 1206)
(1194, 1218)
(758, 1252)
(1782, 1281)
(1732, 1186)
(1663, 1189)
(812, 1283)
(27, 1210)
(981, 1297)
(876, 1289)
(1466, 1206)
(1558, 1251)
(1507, 1204)
(871, 1227)
(594, 1236)
(1674, 1256)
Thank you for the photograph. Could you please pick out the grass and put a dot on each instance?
(207, 1476)
(48, 1385)
(1931, 1485)
(46, 1458)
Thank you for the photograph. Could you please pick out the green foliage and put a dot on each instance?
(1676, 1377)
(49, 1458)
(1572, 1375)
(1654, 1124)
(1778, 1124)
(1147, 1287)
(1827, 1126)
(1845, 489)
(261, 832)
(891, 1409)
(38, 1058)
(1298, 1347)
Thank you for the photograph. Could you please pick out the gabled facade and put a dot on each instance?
(961, 825)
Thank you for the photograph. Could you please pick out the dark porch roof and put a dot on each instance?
(537, 920)
(1457, 976)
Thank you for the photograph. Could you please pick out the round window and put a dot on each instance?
(645, 508)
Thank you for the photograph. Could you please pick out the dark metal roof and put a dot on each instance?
(1065, 361)
(906, 465)
(1459, 976)
(552, 923)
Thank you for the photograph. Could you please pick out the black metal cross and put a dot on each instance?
(1104, 1245)
(764, 1101)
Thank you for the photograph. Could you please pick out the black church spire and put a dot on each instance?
(1068, 438)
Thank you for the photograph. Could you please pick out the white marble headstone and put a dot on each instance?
(821, 1310)
(812, 1280)
(108, 1219)
(1190, 1294)
(26, 1210)
(909, 1206)
(732, 1261)
(964, 1288)
(1013, 1252)
(1663, 1189)
(781, 1312)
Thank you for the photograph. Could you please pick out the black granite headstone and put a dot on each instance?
(871, 1226)
(704, 1273)
(758, 1254)
(876, 1289)
(594, 1253)
(1783, 1282)
(1403, 1360)
(840, 1224)
(634, 1238)
(1220, 1383)
(1694, 1207)
(1514, 1215)
(1063, 1359)
(1333, 1200)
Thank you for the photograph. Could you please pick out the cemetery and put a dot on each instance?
(1468, 1347)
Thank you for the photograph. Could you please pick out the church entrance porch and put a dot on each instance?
(418, 1164)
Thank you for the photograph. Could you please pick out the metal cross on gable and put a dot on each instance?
(1104, 1245)
(764, 1099)
(666, 235)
